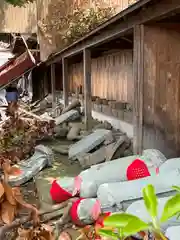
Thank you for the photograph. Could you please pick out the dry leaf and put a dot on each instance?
(7, 212)
(25, 234)
(47, 232)
(47, 227)
(65, 236)
(1, 190)
(15, 171)
(46, 235)
(18, 197)
(9, 193)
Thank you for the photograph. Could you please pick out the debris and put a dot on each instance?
(64, 236)
(30, 114)
(73, 105)
(88, 143)
(68, 116)
(60, 132)
(73, 133)
(88, 159)
(18, 136)
(104, 125)
(46, 116)
(63, 149)
(116, 146)
(109, 139)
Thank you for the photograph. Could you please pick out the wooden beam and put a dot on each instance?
(53, 88)
(87, 87)
(138, 88)
(65, 81)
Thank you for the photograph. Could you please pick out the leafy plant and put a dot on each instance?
(123, 225)
(66, 24)
(18, 3)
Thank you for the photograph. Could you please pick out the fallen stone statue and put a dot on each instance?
(83, 210)
(87, 182)
(123, 196)
(42, 157)
(120, 194)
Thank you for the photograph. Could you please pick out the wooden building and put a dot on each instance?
(132, 58)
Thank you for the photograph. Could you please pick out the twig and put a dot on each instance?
(19, 222)
(21, 110)
(65, 215)
(58, 206)
(13, 225)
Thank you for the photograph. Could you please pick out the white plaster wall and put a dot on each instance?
(116, 123)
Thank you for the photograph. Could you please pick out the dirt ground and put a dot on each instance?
(36, 191)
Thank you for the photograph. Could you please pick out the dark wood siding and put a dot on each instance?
(111, 76)
(161, 89)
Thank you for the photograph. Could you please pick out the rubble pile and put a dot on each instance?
(18, 136)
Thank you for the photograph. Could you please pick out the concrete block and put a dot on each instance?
(60, 132)
(115, 113)
(73, 133)
(128, 117)
(116, 146)
(68, 116)
(88, 143)
(99, 156)
(120, 114)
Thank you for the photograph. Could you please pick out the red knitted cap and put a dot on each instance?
(136, 170)
(58, 194)
(74, 214)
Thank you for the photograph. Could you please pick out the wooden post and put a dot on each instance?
(87, 87)
(65, 81)
(138, 88)
(53, 79)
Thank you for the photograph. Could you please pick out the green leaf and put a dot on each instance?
(150, 200)
(176, 188)
(118, 220)
(127, 222)
(107, 233)
(171, 208)
(134, 226)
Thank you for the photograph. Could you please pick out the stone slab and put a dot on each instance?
(117, 145)
(99, 156)
(88, 143)
(68, 116)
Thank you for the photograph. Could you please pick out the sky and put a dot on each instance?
(4, 56)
